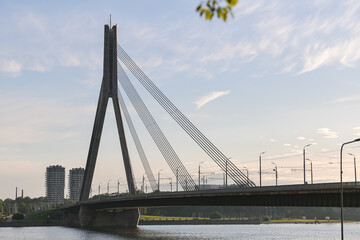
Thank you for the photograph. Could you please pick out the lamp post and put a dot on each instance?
(247, 174)
(311, 170)
(260, 165)
(199, 173)
(159, 179)
(177, 179)
(342, 187)
(108, 187)
(276, 173)
(226, 172)
(304, 161)
(118, 186)
(143, 183)
(354, 166)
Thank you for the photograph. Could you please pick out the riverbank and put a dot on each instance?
(31, 224)
(198, 222)
(159, 220)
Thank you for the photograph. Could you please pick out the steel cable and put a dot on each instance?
(137, 142)
(193, 132)
(159, 138)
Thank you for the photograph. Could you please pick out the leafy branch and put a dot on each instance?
(221, 8)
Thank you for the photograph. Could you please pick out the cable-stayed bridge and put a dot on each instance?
(123, 211)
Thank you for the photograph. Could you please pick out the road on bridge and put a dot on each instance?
(308, 195)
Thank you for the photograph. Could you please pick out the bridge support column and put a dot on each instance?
(108, 219)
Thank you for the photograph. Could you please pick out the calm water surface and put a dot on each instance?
(221, 232)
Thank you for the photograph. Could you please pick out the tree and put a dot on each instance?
(1, 207)
(221, 8)
(216, 215)
(18, 216)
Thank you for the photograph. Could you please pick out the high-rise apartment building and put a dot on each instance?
(76, 176)
(55, 183)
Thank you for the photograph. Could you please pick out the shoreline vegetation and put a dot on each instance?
(145, 220)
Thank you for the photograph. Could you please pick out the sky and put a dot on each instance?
(276, 77)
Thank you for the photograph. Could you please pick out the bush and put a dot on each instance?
(18, 216)
(216, 215)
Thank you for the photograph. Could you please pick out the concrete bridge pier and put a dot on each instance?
(108, 219)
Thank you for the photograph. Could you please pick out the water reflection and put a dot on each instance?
(174, 232)
(197, 232)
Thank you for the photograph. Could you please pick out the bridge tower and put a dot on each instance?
(109, 89)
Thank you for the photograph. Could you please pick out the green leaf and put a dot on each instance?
(225, 14)
(232, 2)
(219, 13)
(208, 4)
(208, 15)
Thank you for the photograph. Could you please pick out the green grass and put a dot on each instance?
(162, 218)
(39, 216)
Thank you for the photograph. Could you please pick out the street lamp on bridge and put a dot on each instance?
(342, 187)
(159, 179)
(311, 170)
(304, 160)
(177, 178)
(118, 185)
(200, 173)
(143, 183)
(354, 166)
(108, 187)
(276, 173)
(247, 174)
(226, 172)
(260, 165)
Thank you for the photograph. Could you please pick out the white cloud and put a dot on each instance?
(301, 138)
(287, 145)
(356, 131)
(285, 155)
(210, 97)
(327, 133)
(23, 124)
(345, 53)
(244, 50)
(272, 140)
(11, 66)
(344, 99)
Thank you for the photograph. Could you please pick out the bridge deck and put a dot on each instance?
(310, 195)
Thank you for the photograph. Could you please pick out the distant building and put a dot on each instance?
(55, 183)
(76, 176)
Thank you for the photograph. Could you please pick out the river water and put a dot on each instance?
(196, 232)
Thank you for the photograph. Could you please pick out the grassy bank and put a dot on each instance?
(300, 221)
(163, 218)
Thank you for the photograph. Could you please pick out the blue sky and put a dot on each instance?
(277, 76)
